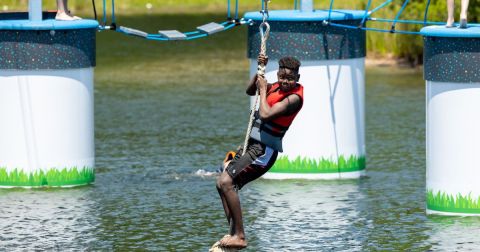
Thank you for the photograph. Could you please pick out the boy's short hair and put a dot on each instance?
(291, 63)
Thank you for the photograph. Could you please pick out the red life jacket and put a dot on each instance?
(271, 133)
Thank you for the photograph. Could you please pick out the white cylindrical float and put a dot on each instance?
(327, 139)
(452, 74)
(46, 101)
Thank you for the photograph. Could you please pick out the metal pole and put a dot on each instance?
(35, 10)
(306, 5)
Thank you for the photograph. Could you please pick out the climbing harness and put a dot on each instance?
(264, 34)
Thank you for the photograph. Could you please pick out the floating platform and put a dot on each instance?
(327, 138)
(46, 101)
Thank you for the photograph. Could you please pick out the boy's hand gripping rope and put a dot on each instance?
(260, 69)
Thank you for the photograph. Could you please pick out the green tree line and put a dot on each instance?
(409, 47)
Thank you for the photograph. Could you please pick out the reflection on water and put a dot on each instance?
(152, 140)
(300, 215)
(454, 233)
(47, 219)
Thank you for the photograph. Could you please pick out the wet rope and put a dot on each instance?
(260, 69)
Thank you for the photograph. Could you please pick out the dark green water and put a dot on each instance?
(152, 141)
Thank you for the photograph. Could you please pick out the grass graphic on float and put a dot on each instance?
(323, 165)
(51, 177)
(442, 201)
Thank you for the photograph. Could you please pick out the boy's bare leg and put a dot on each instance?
(237, 240)
(225, 209)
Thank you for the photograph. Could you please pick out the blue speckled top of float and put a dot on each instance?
(304, 36)
(46, 44)
(48, 24)
(316, 15)
(472, 31)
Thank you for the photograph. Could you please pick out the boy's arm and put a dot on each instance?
(252, 86)
(287, 106)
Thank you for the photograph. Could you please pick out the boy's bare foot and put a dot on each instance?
(216, 247)
(225, 238)
(233, 242)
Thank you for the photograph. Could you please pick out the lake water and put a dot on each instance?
(154, 141)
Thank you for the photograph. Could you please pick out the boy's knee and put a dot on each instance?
(224, 181)
(218, 184)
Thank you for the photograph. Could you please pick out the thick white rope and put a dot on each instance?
(260, 71)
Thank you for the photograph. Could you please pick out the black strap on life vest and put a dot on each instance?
(271, 128)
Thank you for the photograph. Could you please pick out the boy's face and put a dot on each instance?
(287, 79)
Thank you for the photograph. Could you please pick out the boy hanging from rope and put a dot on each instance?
(279, 104)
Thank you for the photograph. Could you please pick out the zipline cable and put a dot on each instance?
(228, 10)
(113, 15)
(406, 21)
(104, 19)
(398, 15)
(426, 14)
(330, 11)
(94, 9)
(365, 15)
(236, 10)
(380, 7)
(374, 29)
(260, 69)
